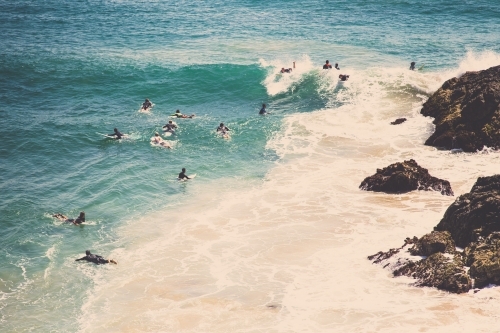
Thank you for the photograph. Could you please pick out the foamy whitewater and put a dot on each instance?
(289, 254)
(273, 234)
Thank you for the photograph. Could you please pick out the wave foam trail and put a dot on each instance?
(288, 254)
(277, 83)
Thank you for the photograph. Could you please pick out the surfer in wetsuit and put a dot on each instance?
(337, 66)
(159, 141)
(147, 104)
(182, 175)
(178, 114)
(223, 129)
(343, 77)
(96, 259)
(327, 65)
(263, 110)
(117, 134)
(79, 220)
(412, 65)
(170, 127)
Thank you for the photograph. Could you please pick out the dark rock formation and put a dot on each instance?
(474, 214)
(398, 121)
(405, 177)
(466, 111)
(439, 271)
(483, 257)
(436, 241)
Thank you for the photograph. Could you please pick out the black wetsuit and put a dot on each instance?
(146, 105)
(182, 175)
(117, 134)
(169, 127)
(96, 259)
(263, 111)
(222, 129)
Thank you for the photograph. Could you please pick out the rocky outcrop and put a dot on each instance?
(441, 271)
(466, 111)
(474, 214)
(483, 257)
(436, 241)
(472, 222)
(405, 177)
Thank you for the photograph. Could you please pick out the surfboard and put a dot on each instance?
(167, 133)
(456, 150)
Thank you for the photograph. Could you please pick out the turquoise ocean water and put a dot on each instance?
(71, 70)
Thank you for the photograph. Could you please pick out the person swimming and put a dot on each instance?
(178, 114)
(183, 175)
(79, 220)
(159, 141)
(343, 77)
(147, 104)
(170, 126)
(117, 134)
(412, 65)
(286, 70)
(96, 259)
(337, 66)
(263, 110)
(327, 65)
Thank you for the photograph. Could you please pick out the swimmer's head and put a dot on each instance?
(82, 216)
(170, 121)
(263, 105)
(87, 252)
(178, 111)
(156, 134)
(327, 62)
(116, 129)
(221, 124)
(183, 169)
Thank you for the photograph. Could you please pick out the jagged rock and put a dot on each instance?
(405, 177)
(398, 121)
(445, 272)
(483, 257)
(466, 111)
(436, 241)
(474, 214)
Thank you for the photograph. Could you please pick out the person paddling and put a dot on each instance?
(327, 65)
(79, 220)
(183, 175)
(96, 259)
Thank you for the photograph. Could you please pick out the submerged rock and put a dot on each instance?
(466, 111)
(405, 177)
(474, 214)
(398, 121)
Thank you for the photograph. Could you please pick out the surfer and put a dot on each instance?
(147, 104)
(183, 175)
(337, 66)
(327, 65)
(263, 110)
(286, 70)
(178, 114)
(170, 126)
(79, 220)
(412, 65)
(222, 128)
(96, 259)
(117, 134)
(343, 77)
(159, 141)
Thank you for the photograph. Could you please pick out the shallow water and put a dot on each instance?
(273, 233)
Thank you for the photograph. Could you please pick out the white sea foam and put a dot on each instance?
(288, 254)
